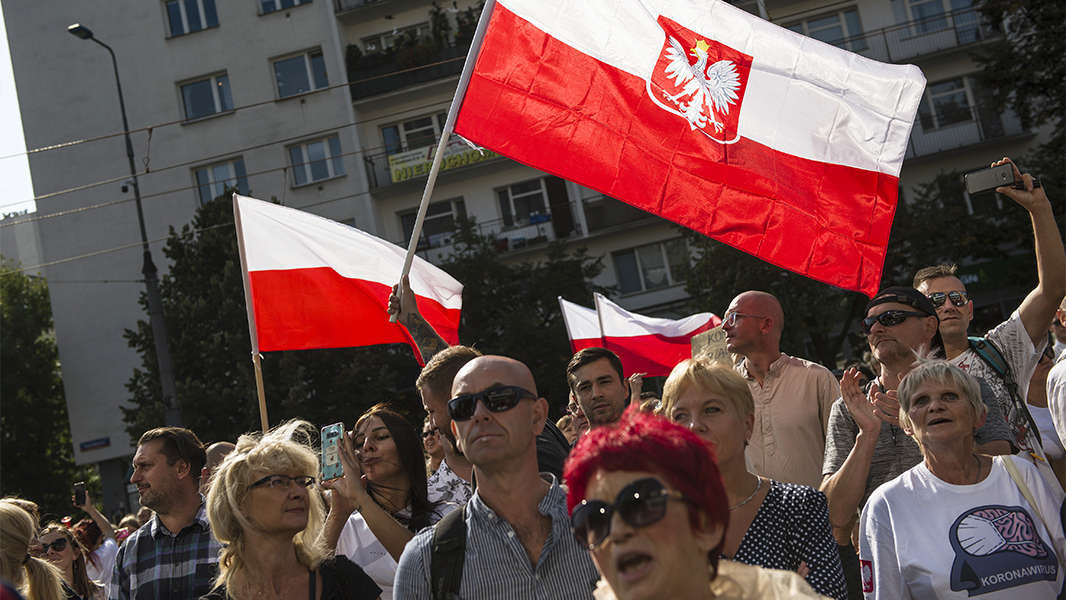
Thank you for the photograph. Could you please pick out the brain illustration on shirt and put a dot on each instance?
(1000, 529)
(996, 548)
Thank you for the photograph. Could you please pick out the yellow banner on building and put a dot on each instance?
(416, 163)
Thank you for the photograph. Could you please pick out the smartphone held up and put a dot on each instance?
(331, 457)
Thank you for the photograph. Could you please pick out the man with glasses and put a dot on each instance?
(865, 445)
(517, 517)
(793, 397)
(173, 556)
(581, 422)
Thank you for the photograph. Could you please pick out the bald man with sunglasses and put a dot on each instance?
(517, 529)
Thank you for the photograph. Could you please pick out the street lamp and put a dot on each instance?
(172, 415)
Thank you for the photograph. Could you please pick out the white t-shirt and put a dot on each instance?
(362, 547)
(1052, 445)
(925, 538)
(1056, 397)
(105, 556)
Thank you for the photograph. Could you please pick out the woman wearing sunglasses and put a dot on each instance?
(34, 578)
(960, 524)
(383, 498)
(771, 524)
(264, 510)
(646, 498)
(62, 550)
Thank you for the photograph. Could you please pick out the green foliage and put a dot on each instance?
(513, 309)
(439, 25)
(37, 460)
(203, 301)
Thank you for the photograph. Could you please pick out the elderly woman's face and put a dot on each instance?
(714, 418)
(941, 413)
(667, 559)
(279, 504)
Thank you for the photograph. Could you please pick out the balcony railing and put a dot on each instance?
(926, 36)
(445, 62)
(384, 169)
(976, 125)
(539, 229)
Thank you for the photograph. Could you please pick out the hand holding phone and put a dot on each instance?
(331, 459)
(989, 179)
(79, 494)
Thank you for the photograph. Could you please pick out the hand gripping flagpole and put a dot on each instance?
(449, 126)
(256, 357)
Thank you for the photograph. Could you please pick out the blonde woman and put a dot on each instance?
(69, 556)
(34, 578)
(263, 508)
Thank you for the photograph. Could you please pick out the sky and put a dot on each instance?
(16, 189)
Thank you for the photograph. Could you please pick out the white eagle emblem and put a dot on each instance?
(704, 90)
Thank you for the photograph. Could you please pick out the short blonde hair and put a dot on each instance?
(709, 377)
(286, 448)
(944, 373)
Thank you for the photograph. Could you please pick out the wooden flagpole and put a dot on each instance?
(449, 126)
(256, 357)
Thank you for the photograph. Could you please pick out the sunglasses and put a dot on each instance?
(889, 318)
(641, 503)
(957, 298)
(280, 482)
(57, 545)
(428, 433)
(496, 399)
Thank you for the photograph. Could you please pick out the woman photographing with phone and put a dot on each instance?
(382, 499)
(97, 536)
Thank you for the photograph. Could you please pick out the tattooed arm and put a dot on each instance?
(426, 338)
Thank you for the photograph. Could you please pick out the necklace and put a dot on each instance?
(757, 488)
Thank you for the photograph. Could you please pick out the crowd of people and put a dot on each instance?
(933, 471)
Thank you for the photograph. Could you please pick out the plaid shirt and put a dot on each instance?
(154, 564)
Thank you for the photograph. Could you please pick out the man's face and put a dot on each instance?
(894, 346)
(158, 483)
(600, 393)
(954, 320)
(437, 408)
(581, 422)
(1058, 326)
(494, 438)
(746, 332)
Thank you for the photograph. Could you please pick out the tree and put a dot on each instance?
(203, 300)
(37, 462)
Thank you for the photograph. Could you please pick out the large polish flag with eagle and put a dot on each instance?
(775, 143)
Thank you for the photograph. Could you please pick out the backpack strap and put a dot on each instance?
(992, 356)
(448, 550)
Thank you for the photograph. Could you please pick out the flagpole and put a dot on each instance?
(449, 126)
(252, 334)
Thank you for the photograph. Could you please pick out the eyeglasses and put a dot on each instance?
(641, 503)
(429, 432)
(731, 318)
(889, 318)
(57, 545)
(282, 482)
(957, 298)
(496, 399)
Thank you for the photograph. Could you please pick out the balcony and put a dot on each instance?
(900, 43)
(445, 62)
(384, 169)
(536, 230)
(972, 126)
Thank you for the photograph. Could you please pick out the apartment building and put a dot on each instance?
(335, 106)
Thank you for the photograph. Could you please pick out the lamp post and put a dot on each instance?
(172, 416)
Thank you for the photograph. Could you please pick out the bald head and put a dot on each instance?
(767, 305)
(487, 371)
(216, 453)
(757, 327)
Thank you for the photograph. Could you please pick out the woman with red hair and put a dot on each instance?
(646, 498)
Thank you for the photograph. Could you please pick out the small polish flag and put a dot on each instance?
(646, 344)
(582, 325)
(315, 283)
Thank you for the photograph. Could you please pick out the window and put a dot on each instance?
(301, 74)
(835, 29)
(523, 203)
(412, 135)
(212, 181)
(270, 6)
(189, 16)
(928, 16)
(384, 41)
(946, 103)
(207, 97)
(651, 267)
(316, 161)
(440, 221)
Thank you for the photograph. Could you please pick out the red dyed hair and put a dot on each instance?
(646, 442)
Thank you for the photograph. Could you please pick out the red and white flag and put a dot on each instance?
(775, 143)
(315, 283)
(646, 344)
(582, 325)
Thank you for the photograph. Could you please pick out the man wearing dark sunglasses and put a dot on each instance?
(517, 516)
(865, 445)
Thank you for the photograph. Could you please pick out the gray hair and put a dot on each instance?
(943, 373)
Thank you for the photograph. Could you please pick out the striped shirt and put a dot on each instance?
(496, 564)
(154, 564)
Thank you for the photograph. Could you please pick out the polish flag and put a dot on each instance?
(774, 143)
(315, 283)
(649, 345)
(582, 325)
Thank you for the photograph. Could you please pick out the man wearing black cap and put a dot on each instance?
(865, 445)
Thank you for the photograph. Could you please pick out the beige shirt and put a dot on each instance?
(792, 409)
